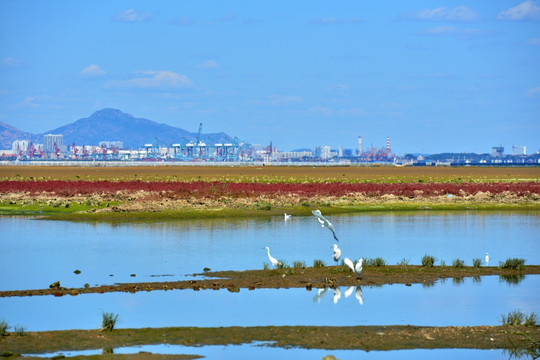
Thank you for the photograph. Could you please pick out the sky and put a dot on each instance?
(434, 76)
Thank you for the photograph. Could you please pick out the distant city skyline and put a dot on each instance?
(434, 77)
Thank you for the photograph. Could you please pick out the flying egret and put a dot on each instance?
(324, 222)
(349, 291)
(487, 259)
(337, 295)
(287, 217)
(357, 269)
(337, 253)
(272, 259)
(359, 295)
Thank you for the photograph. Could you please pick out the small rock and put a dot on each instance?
(206, 269)
(77, 272)
(132, 275)
(55, 285)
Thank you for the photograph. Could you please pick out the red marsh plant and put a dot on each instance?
(251, 189)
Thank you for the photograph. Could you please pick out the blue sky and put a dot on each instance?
(434, 76)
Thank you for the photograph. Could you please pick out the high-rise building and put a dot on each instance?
(497, 151)
(359, 145)
(50, 139)
(322, 152)
(19, 145)
(519, 150)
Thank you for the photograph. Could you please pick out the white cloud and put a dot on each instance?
(29, 102)
(527, 10)
(458, 14)
(339, 87)
(92, 71)
(278, 100)
(12, 63)
(153, 79)
(329, 112)
(182, 21)
(207, 65)
(534, 42)
(453, 31)
(534, 92)
(131, 15)
(334, 21)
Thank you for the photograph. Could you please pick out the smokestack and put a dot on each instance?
(388, 143)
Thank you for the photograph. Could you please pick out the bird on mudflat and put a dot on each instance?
(272, 259)
(324, 222)
(337, 253)
(487, 259)
(357, 269)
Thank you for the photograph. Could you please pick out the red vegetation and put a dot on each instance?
(216, 189)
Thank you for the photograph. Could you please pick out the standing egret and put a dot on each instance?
(324, 222)
(357, 269)
(359, 295)
(272, 259)
(287, 217)
(487, 259)
(337, 253)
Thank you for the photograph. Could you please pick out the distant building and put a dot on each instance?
(19, 145)
(359, 145)
(340, 151)
(519, 150)
(497, 151)
(50, 140)
(111, 144)
(323, 152)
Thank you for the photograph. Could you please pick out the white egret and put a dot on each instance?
(272, 259)
(287, 217)
(487, 259)
(357, 269)
(324, 222)
(337, 295)
(337, 253)
(349, 291)
(359, 295)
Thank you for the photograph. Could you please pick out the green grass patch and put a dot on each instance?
(428, 261)
(512, 263)
(517, 318)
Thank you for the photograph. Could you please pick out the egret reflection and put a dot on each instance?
(337, 294)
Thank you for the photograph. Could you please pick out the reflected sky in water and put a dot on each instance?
(459, 303)
(261, 352)
(36, 253)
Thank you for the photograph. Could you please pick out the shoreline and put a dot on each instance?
(308, 278)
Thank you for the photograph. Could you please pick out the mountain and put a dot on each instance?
(8, 134)
(114, 125)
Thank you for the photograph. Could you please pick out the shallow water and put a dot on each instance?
(459, 303)
(36, 253)
(260, 351)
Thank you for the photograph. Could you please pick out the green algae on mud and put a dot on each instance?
(97, 213)
(365, 338)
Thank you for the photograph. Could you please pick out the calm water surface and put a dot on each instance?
(36, 253)
(457, 303)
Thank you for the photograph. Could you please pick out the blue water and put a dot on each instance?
(36, 253)
(262, 352)
(466, 303)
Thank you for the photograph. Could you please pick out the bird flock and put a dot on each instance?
(325, 223)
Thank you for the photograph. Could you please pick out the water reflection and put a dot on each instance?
(511, 279)
(337, 294)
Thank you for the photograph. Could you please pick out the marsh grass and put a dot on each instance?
(282, 264)
(512, 279)
(318, 263)
(108, 321)
(476, 262)
(428, 261)
(378, 261)
(403, 262)
(19, 330)
(458, 263)
(512, 263)
(299, 265)
(443, 263)
(3, 327)
(266, 266)
(517, 318)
